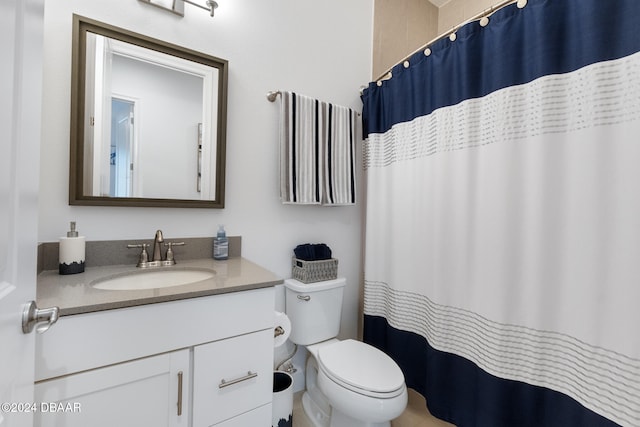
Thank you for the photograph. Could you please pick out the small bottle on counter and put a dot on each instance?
(221, 244)
(71, 252)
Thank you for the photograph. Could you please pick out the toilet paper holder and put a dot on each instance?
(281, 329)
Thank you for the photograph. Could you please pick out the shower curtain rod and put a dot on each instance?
(449, 33)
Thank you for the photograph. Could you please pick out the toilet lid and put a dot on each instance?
(359, 365)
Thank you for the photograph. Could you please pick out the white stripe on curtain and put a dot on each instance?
(610, 93)
(317, 151)
(524, 230)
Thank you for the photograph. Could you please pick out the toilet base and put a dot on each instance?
(317, 415)
(320, 418)
(339, 419)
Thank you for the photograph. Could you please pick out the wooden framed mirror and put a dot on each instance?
(148, 121)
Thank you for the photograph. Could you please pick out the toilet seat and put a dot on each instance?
(361, 368)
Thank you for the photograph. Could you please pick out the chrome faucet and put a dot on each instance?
(158, 259)
(157, 246)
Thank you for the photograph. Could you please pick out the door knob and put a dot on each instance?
(44, 318)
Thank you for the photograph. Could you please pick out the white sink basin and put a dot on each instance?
(152, 279)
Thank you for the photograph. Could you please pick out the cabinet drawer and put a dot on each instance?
(232, 376)
(114, 336)
(258, 417)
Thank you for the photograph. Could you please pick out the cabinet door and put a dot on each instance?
(231, 377)
(144, 392)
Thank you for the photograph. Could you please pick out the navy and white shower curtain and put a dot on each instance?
(502, 265)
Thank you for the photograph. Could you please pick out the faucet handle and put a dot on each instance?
(169, 246)
(144, 255)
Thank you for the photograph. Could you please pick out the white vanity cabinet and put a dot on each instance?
(132, 366)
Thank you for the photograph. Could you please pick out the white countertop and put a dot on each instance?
(74, 293)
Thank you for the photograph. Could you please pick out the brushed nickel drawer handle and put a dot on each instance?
(304, 297)
(180, 393)
(224, 383)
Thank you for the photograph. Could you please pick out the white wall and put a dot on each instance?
(455, 12)
(320, 49)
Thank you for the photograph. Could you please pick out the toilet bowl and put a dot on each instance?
(362, 385)
(348, 383)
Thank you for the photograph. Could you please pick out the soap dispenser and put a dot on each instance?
(221, 244)
(71, 252)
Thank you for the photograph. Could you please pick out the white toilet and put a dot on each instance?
(349, 383)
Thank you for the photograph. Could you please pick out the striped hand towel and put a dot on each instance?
(317, 153)
(339, 156)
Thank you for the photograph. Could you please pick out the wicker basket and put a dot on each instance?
(314, 271)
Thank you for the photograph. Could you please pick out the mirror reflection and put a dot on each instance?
(150, 125)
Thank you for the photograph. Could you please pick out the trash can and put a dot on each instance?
(282, 404)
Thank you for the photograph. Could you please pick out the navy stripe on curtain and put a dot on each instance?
(447, 378)
(547, 37)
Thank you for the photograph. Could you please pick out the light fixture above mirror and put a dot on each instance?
(177, 6)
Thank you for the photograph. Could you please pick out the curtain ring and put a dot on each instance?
(484, 21)
(406, 64)
(453, 36)
(521, 4)
(427, 52)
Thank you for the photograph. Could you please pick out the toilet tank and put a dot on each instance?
(314, 309)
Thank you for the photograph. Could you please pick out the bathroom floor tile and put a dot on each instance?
(416, 414)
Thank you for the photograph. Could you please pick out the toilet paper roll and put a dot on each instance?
(281, 329)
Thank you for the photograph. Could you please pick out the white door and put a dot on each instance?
(21, 32)
(122, 147)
